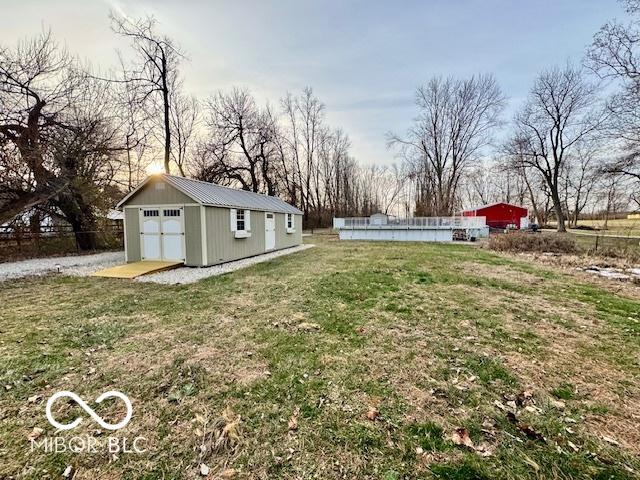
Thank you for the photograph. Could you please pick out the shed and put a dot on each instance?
(201, 224)
(501, 215)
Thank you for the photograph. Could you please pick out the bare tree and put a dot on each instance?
(154, 72)
(303, 134)
(455, 122)
(185, 118)
(241, 142)
(615, 55)
(36, 85)
(561, 111)
(56, 134)
(136, 133)
(582, 176)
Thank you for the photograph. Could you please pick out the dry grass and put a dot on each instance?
(434, 337)
(527, 242)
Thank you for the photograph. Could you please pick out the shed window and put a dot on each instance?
(240, 224)
(151, 213)
(172, 213)
(289, 222)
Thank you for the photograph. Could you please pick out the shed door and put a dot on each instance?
(162, 233)
(269, 231)
(150, 234)
(173, 234)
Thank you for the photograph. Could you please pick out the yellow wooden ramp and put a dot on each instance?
(135, 269)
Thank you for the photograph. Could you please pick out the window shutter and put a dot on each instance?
(232, 217)
(286, 221)
(247, 220)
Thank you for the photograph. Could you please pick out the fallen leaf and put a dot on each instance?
(229, 473)
(529, 431)
(35, 434)
(461, 437)
(484, 450)
(34, 399)
(293, 421)
(204, 469)
(293, 424)
(524, 398)
(373, 413)
(419, 450)
(558, 404)
(68, 472)
(610, 440)
(573, 446)
(500, 405)
(308, 326)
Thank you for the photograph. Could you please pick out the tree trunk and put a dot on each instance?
(80, 215)
(557, 207)
(167, 126)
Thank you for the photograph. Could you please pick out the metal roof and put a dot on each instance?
(217, 196)
(481, 207)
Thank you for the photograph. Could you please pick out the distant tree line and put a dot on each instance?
(73, 140)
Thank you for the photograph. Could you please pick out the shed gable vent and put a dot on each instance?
(160, 186)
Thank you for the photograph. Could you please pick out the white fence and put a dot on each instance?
(419, 223)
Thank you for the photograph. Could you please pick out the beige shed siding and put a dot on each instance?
(222, 246)
(168, 195)
(284, 239)
(132, 220)
(192, 236)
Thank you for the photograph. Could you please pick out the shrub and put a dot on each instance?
(528, 242)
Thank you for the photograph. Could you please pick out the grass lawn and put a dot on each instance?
(619, 226)
(346, 361)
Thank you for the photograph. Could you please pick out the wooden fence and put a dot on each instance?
(24, 242)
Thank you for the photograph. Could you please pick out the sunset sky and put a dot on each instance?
(364, 59)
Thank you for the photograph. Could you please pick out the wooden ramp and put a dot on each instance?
(135, 269)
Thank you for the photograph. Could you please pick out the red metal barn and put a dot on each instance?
(500, 215)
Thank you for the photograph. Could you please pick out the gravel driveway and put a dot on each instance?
(78, 265)
(85, 265)
(185, 275)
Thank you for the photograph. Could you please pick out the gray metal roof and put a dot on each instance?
(215, 195)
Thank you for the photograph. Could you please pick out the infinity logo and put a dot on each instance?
(89, 410)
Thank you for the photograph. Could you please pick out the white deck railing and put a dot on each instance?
(420, 223)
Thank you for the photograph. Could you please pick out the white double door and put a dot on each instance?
(162, 233)
(269, 231)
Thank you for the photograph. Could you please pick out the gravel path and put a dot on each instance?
(186, 275)
(78, 265)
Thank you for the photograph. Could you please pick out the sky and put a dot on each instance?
(363, 58)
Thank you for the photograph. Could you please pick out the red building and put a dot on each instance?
(500, 215)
